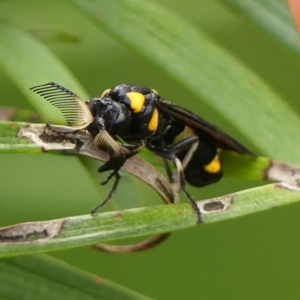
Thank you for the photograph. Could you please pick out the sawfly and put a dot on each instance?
(126, 118)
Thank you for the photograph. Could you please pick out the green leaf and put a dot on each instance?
(239, 166)
(234, 165)
(27, 63)
(42, 277)
(10, 143)
(37, 237)
(219, 79)
(272, 16)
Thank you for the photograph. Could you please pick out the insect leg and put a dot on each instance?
(113, 162)
(168, 170)
(182, 186)
(112, 191)
(191, 142)
(166, 154)
(118, 154)
(104, 182)
(190, 154)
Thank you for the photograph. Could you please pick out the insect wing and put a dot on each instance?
(201, 127)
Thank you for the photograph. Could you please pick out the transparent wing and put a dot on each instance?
(74, 110)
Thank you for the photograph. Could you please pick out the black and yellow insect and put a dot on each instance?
(129, 117)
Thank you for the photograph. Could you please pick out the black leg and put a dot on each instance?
(168, 170)
(191, 143)
(112, 191)
(104, 182)
(182, 186)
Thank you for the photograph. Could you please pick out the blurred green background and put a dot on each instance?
(255, 257)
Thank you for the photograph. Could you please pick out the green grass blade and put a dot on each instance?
(27, 62)
(272, 16)
(42, 277)
(234, 165)
(10, 143)
(216, 77)
(36, 237)
(244, 166)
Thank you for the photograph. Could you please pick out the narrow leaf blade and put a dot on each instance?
(28, 63)
(89, 230)
(273, 17)
(43, 277)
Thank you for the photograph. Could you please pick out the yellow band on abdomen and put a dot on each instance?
(214, 166)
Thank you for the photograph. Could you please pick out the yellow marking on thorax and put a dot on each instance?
(137, 101)
(152, 126)
(214, 166)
